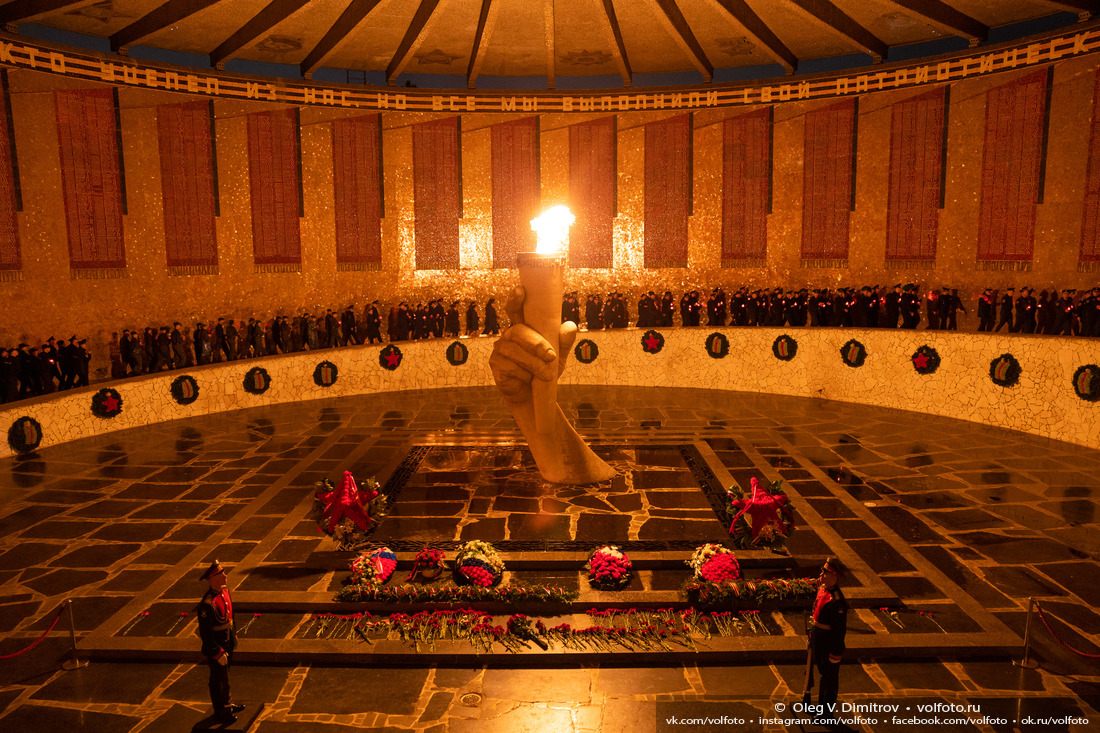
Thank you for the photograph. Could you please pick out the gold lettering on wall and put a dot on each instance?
(228, 85)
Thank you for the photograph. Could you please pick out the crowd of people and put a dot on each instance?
(31, 371)
(27, 371)
(903, 306)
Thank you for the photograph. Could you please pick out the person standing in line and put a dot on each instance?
(985, 310)
(452, 323)
(1005, 318)
(492, 326)
(219, 641)
(374, 323)
(473, 320)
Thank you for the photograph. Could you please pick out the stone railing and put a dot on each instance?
(1043, 402)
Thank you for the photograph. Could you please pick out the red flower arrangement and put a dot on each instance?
(720, 568)
(428, 562)
(609, 568)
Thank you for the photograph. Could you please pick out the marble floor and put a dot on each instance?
(113, 521)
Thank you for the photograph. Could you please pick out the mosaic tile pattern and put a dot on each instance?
(1043, 403)
(1002, 514)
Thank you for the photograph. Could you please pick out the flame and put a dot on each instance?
(551, 229)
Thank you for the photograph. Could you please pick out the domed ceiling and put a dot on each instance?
(532, 38)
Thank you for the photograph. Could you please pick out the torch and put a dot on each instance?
(540, 274)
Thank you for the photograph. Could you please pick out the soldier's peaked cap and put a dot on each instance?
(215, 567)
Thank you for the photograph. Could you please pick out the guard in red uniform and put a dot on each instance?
(219, 639)
(830, 622)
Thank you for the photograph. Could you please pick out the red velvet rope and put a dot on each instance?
(1043, 618)
(39, 639)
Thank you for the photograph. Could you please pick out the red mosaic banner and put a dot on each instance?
(90, 181)
(1010, 169)
(273, 177)
(667, 191)
(437, 193)
(357, 184)
(1090, 226)
(592, 193)
(746, 143)
(187, 183)
(516, 193)
(916, 160)
(827, 182)
(10, 256)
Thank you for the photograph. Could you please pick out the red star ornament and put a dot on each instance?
(110, 404)
(393, 359)
(762, 508)
(346, 501)
(920, 361)
(652, 342)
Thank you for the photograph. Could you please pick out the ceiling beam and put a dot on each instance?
(276, 12)
(759, 33)
(548, 22)
(677, 26)
(832, 17)
(414, 37)
(485, 24)
(352, 16)
(615, 40)
(158, 19)
(21, 10)
(946, 18)
(1085, 9)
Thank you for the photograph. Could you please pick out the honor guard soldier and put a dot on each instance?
(829, 625)
(219, 639)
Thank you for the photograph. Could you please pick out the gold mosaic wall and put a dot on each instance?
(48, 302)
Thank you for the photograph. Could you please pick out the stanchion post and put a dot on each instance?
(1027, 662)
(73, 662)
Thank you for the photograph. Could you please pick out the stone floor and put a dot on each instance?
(109, 521)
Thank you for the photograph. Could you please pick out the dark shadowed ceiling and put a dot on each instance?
(546, 39)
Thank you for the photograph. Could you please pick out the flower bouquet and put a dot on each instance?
(478, 563)
(715, 564)
(608, 568)
(762, 519)
(373, 568)
(429, 563)
(347, 514)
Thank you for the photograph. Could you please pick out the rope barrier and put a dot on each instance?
(39, 639)
(1043, 618)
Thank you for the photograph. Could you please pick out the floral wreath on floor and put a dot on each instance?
(184, 389)
(429, 563)
(714, 564)
(373, 568)
(256, 380)
(1086, 382)
(1005, 370)
(325, 374)
(926, 360)
(106, 403)
(478, 563)
(25, 434)
(609, 568)
(853, 353)
(784, 347)
(762, 518)
(347, 514)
